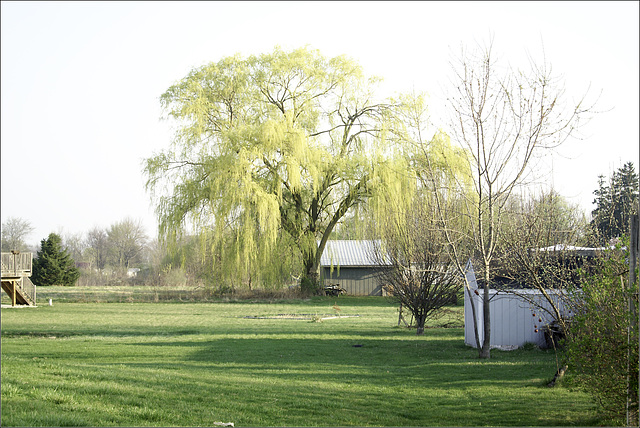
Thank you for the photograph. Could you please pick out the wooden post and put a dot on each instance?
(15, 262)
(401, 317)
(13, 293)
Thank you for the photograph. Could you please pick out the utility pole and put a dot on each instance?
(634, 240)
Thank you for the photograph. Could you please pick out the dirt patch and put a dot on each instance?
(17, 306)
(307, 317)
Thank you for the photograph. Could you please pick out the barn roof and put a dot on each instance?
(349, 253)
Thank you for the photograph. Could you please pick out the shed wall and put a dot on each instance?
(512, 319)
(357, 281)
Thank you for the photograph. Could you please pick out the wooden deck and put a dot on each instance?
(16, 270)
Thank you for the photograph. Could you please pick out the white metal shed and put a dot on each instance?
(514, 320)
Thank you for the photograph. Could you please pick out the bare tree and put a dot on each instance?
(501, 121)
(421, 276)
(127, 239)
(14, 232)
(98, 243)
(504, 119)
(75, 244)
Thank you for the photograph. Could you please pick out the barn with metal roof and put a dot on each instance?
(351, 265)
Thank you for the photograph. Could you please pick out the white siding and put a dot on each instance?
(512, 316)
(512, 319)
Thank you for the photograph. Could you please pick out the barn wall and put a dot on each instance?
(357, 281)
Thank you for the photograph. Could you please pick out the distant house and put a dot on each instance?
(132, 272)
(351, 265)
(83, 265)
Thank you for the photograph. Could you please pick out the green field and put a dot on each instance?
(273, 363)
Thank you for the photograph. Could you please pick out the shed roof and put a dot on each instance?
(349, 253)
(578, 251)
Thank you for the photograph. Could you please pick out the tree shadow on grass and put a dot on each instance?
(402, 377)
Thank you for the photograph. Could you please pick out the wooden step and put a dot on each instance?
(20, 298)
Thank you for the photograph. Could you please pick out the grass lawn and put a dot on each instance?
(255, 364)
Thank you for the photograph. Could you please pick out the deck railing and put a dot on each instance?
(16, 264)
(29, 289)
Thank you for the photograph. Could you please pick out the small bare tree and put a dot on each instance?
(502, 119)
(418, 270)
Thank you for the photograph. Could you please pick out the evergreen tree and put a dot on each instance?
(53, 265)
(615, 202)
(602, 216)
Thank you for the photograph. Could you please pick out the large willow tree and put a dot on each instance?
(271, 149)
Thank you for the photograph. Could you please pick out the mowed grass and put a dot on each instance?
(194, 364)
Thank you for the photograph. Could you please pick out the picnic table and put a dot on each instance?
(334, 290)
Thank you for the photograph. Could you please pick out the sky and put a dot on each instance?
(81, 83)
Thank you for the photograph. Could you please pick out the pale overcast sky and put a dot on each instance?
(81, 83)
